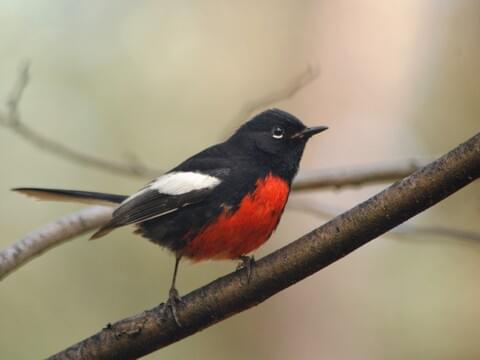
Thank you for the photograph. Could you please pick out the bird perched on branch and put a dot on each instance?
(222, 203)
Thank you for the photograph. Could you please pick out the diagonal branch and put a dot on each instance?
(51, 235)
(288, 92)
(11, 119)
(146, 332)
(133, 168)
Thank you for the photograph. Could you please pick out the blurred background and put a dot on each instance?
(160, 80)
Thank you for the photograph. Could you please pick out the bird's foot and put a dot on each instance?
(171, 304)
(247, 263)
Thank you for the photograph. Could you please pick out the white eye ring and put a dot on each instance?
(278, 132)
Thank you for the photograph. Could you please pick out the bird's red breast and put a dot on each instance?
(234, 234)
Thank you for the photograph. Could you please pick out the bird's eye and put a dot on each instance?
(278, 132)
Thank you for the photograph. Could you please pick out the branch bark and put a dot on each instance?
(146, 332)
(51, 235)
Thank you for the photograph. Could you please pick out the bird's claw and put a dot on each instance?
(247, 263)
(173, 300)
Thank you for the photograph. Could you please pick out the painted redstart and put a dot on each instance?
(222, 203)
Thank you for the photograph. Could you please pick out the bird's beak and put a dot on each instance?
(309, 132)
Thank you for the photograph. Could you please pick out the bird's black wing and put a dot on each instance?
(164, 195)
(150, 204)
(191, 182)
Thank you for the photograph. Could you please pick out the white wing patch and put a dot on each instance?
(178, 183)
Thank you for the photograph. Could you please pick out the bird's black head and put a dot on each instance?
(276, 139)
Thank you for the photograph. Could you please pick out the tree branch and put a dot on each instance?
(337, 178)
(226, 296)
(51, 235)
(11, 119)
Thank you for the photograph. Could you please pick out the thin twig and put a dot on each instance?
(288, 92)
(355, 176)
(15, 97)
(153, 329)
(132, 168)
(11, 119)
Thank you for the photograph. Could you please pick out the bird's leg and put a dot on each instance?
(247, 263)
(173, 297)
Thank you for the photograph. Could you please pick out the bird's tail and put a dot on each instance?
(86, 197)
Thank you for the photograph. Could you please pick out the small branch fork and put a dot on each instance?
(288, 92)
(11, 119)
(146, 332)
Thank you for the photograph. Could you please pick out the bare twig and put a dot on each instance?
(13, 101)
(337, 178)
(11, 120)
(47, 144)
(288, 92)
(151, 330)
(300, 82)
(51, 235)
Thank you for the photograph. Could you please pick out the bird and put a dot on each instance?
(220, 204)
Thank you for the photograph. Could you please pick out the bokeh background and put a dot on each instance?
(160, 80)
